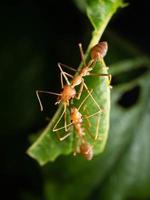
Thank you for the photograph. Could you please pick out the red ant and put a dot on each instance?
(67, 93)
(68, 90)
(97, 53)
(85, 148)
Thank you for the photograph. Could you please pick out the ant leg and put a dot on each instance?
(82, 54)
(91, 62)
(105, 75)
(66, 125)
(60, 128)
(39, 100)
(89, 124)
(62, 138)
(68, 67)
(63, 113)
(85, 99)
(100, 110)
(65, 136)
(63, 73)
(61, 78)
(65, 119)
(75, 147)
(80, 91)
(46, 92)
(97, 128)
(97, 136)
(109, 80)
(87, 114)
(69, 75)
(96, 113)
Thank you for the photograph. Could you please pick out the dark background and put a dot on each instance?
(41, 34)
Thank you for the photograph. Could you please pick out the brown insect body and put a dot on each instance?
(67, 93)
(77, 80)
(86, 150)
(85, 71)
(76, 118)
(99, 51)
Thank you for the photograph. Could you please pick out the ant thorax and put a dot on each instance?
(76, 81)
(67, 94)
(76, 116)
(85, 71)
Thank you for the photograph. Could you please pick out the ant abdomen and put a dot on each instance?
(86, 150)
(99, 51)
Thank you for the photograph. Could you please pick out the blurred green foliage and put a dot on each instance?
(31, 45)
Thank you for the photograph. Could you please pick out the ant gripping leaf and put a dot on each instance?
(48, 146)
(82, 146)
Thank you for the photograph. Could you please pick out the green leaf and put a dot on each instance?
(130, 141)
(103, 10)
(122, 171)
(47, 147)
